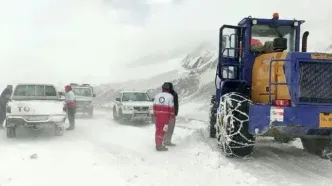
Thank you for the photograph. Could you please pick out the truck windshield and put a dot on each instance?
(264, 35)
(35, 92)
(135, 96)
(85, 92)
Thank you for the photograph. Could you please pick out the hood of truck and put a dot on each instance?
(36, 107)
(138, 103)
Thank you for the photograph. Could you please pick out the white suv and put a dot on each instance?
(133, 105)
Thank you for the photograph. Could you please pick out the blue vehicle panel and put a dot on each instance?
(295, 121)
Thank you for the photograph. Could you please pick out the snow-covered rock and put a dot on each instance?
(192, 76)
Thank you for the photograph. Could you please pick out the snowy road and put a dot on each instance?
(102, 152)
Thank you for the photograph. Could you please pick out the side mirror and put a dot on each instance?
(152, 99)
(117, 99)
(94, 95)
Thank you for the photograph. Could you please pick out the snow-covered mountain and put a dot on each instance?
(192, 75)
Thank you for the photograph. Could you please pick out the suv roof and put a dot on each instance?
(132, 91)
(20, 84)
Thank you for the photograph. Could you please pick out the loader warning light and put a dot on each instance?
(276, 15)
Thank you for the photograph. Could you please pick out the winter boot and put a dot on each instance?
(71, 127)
(161, 148)
(169, 144)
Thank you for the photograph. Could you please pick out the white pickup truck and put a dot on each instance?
(35, 106)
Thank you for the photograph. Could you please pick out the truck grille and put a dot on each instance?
(141, 108)
(315, 82)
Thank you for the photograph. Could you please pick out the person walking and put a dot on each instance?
(70, 106)
(171, 126)
(163, 110)
(4, 98)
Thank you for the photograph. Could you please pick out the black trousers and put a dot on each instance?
(2, 111)
(71, 117)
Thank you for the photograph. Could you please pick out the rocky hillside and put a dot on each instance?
(194, 80)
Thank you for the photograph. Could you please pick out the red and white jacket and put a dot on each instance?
(163, 106)
(70, 99)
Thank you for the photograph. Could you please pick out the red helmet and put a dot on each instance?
(253, 42)
(67, 88)
(256, 42)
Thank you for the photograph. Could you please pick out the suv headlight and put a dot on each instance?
(128, 108)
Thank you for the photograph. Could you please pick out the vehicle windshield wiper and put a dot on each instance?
(278, 32)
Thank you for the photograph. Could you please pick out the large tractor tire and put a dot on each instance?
(212, 117)
(233, 125)
(316, 146)
(11, 132)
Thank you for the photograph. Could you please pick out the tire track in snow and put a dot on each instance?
(276, 162)
(279, 161)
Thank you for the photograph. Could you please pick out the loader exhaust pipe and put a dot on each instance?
(304, 41)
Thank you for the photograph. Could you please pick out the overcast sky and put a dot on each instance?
(92, 40)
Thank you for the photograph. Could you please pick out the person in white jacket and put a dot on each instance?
(163, 111)
(70, 106)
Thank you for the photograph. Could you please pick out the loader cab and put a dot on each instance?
(240, 45)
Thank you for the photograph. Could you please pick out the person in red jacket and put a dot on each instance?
(70, 106)
(163, 110)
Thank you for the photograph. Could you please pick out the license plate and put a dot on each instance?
(141, 115)
(325, 120)
(37, 118)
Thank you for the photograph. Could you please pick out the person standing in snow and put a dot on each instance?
(70, 106)
(163, 110)
(171, 126)
(4, 98)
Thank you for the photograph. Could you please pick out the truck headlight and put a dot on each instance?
(128, 108)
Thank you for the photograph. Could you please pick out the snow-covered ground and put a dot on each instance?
(102, 152)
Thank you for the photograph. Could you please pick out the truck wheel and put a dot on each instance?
(90, 113)
(212, 117)
(315, 146)
(233, 124)
(11, 132)
(58, 131)
(115, 117)
(152, 119)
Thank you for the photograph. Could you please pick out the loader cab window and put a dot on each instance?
(230, 43)
(262, 37)
(229, 72)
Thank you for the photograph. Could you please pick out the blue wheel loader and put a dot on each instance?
(266, 86)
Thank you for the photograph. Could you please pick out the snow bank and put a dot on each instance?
(195, 110)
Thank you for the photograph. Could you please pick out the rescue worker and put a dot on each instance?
(70, 106)
(163, 110)
(4, 98)
(171, 125)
